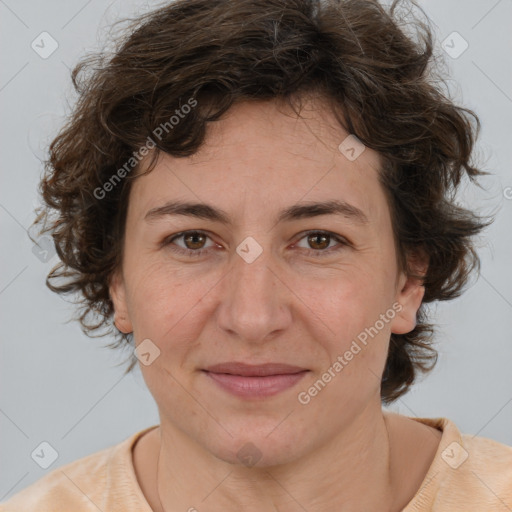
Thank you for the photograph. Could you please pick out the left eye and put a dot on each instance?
(321, 241)
(193, 238)
(195, 241)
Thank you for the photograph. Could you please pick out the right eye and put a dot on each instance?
(192, 238)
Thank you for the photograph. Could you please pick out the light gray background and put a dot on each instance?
(59, 386)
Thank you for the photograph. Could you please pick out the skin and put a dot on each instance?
(341, 451)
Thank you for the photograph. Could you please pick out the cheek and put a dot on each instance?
(165, 305)
(349, 302)
(356, 346)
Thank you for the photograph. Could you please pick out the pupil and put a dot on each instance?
(194, 237)
(315, 237)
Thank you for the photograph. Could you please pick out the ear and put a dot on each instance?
(410, 293)
(117, 292)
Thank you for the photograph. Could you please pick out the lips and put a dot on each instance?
(254, 381)
(247, 370)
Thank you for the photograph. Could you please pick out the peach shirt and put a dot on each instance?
(468, 474)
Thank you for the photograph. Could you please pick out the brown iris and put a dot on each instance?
(313, 239)
(192, 238)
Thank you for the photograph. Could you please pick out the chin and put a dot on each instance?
(260, 447)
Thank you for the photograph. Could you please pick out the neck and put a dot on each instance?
(353, 471)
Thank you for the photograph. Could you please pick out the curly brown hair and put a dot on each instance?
(379, 82)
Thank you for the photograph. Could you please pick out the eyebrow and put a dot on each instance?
(295, 212)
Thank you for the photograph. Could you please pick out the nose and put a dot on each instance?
(254, 300)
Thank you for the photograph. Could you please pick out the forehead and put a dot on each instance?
(261, 155)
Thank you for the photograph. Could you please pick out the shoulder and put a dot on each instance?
(84, 485)
(478, 473)
(468, 473)
(63, 488)
(489, 462)
(466, 454)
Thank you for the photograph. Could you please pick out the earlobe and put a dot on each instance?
(122, 324)
(410, 292)
(409, 297)
(117, 293)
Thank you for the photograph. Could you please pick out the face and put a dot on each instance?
(256, 285)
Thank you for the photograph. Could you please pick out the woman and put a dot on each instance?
(259, 196)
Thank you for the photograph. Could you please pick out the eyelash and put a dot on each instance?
(310, 252)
